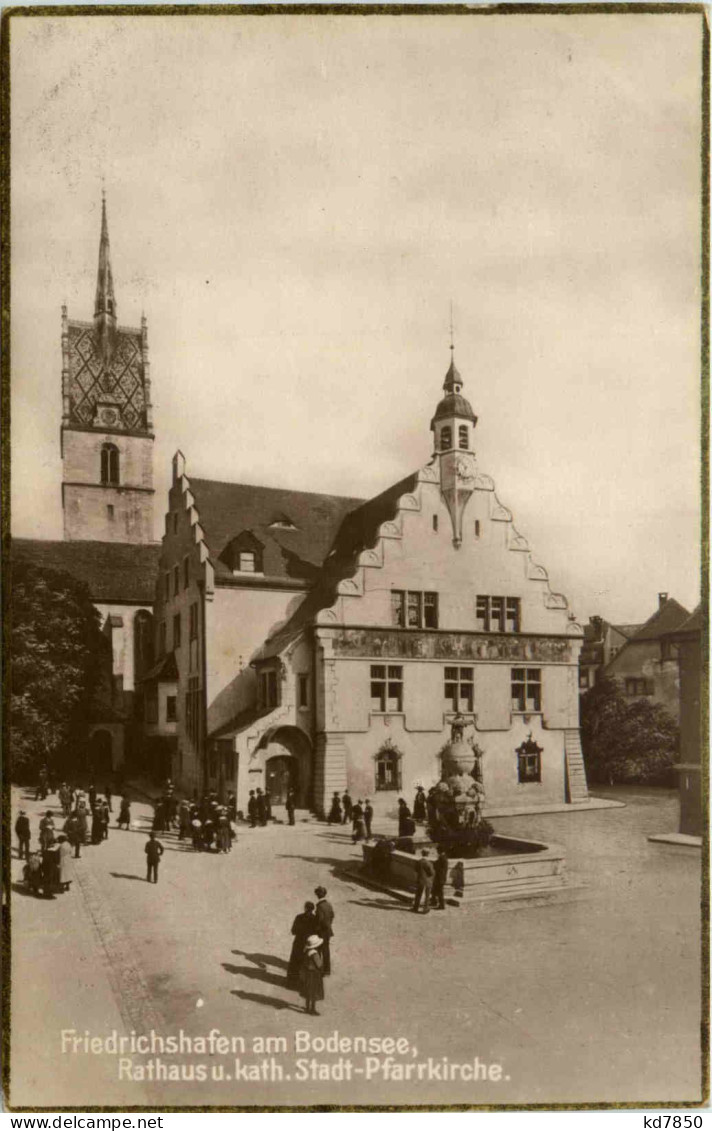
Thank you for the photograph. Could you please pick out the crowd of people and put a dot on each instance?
(84, 819)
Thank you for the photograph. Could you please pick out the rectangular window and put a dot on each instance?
(175, 522)
(412, 609)
(192, 709)
(176, 631)
(635, 686)
(176, 580)
(435, 523)
(459, 689)
(110, 512)
(186, 572)
(171, 713)
(498, 614)
(386, 688)
(430, 610)
(477, 528)
(167, 587)
(462, 439)
(152, 708)
(529, 767)
(512, 615)
(526, 689)
(303, 691)
(247, 561)
(193, 621)
(398, 607)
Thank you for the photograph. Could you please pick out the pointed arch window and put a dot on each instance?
(110, 465)
(445, 438)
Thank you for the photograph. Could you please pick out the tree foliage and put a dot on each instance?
(626, 741)
(56, 656)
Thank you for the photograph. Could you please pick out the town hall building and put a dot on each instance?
(322, 642)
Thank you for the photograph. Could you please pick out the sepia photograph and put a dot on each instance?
(355, 424)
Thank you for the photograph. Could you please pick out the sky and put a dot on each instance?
(294, 202)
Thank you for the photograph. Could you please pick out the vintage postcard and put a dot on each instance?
(354, 614)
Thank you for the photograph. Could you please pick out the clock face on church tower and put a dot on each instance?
(465, 468)
(109, 417)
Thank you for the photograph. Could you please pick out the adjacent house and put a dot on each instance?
(646, 666)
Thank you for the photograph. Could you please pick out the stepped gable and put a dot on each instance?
(113, 572)
(297, 528)
(359, 531)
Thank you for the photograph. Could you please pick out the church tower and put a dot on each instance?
(453, 426)
(107, 428)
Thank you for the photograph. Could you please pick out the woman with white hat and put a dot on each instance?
(312, 978)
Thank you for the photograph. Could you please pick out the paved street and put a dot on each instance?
(588, 1001)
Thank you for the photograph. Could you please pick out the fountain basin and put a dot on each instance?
(511, 868)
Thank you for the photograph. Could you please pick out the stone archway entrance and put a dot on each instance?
(281, 775)
(288, 765)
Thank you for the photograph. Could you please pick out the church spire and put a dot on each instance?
(104, 303)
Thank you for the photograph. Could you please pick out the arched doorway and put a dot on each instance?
(101, 754)
(287, 764)
(281, 775)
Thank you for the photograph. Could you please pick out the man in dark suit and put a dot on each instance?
(154, 852)
(324, 918)
(348, 806)
(368, 817)
(424, 873)
(291, 805)
(437, 898)
(252, 809)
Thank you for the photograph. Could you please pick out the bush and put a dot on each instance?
(627, 742)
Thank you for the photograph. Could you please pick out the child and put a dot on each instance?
(312, 978)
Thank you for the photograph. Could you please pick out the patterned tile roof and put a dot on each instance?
(112, 571)
(117, 381)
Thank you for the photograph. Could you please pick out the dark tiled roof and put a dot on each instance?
(689, 627)
(112, 571)
(627, 629)
(358, 531)
(667, 618)
(227, 509)
(454, 404)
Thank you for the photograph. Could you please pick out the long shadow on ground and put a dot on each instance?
(263, 999)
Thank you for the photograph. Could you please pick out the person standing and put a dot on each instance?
(154, 852)
(419, 804)
(108, 794)
(268, 807)
(304, 925)
(252, 809)
(437, 897)
(325, 918)
(23, 834)
(334, 817)
(71, 830)
(404, 818)
(358, 823)
(348, 807)
(82, 827)
(260, 802)
(124, 813)
(92, 796)
(105, 818)
(64, 860)
(47, 831)
(425, 874)
(196, 827)
(97, 825)
(291, 805)
(368, 817)
(312, 975)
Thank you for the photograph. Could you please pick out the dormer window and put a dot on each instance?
(110, 465)
(244, 554)
(463, 439)
(282, 522)
(445, 438)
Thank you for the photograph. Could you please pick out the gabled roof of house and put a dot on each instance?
(667, 618)
(358, 532)
(627, 629)
(227, 509)
(114, 572)
(689, 627)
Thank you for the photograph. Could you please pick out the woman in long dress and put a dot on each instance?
(64, 862)
(304, 925)
(312, 977)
